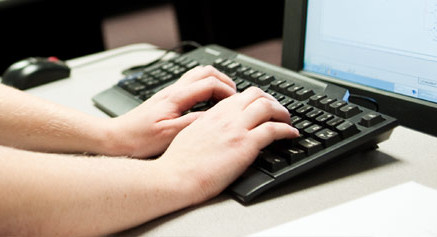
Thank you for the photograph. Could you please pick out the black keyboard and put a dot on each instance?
(330, 126)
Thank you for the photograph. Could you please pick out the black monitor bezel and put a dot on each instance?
(411, 112)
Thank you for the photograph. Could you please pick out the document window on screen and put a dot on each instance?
(385, 44)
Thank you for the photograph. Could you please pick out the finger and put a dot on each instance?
(263, 110)
(250, 95)
(202, 90)
(270, 131)
(201, 72)
(181, 122)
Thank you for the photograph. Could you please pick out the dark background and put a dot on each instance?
(69, 29)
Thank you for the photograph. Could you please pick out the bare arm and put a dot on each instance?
(31, 123)
(48, 194)
(52, 194)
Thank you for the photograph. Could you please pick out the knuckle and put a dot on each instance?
(266, 103)
(188, 73)
(270, 128)
(210, 68)
(211, 81)
(255, 91)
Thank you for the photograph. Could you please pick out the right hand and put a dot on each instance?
(219, 146)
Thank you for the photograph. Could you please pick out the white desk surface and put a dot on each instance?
(407, 156)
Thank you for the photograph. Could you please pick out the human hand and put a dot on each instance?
(219, 146)
(148, 129)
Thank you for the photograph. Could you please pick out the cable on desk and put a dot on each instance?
(180, 47)
(167, 51)
(113, 55)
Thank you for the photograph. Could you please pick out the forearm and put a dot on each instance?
(46, 194)
(32, 123)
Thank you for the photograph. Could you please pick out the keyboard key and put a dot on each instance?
(158, 71)
(293, 154)
(348, 111)
(295, 119)
(335, 106)
(324, 118)
(144, 95)
(233, 67)
(312, 115)
(271, 162)
(192, 64)
(123, 83)
(327, 137)
(225, 64)
(324, 103)
(286, 101)
(312, 129)
(277, 96)
(303, 124)
(247, 73)
(237, 80)
(185, 62)
(334, 122)
(216, 62)
(176, 71)
(292, 90)
(135, 87)
(310, 146)
(152, 83)
(304, 109)
(315, 100)
(347, 129)
(243, 86)
(275, 84)
(265, 80)
(304, 94)
(254, 77)
(241, 70)
(167, 66)
(371, 119)
(294, 106)
(283, 86)
(182, 58)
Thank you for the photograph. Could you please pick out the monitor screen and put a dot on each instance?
(389, 45)
(385, 49)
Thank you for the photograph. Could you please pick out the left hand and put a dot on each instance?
(148, 129)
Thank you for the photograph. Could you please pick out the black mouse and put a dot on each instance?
(35, 71)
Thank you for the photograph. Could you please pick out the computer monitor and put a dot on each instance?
(383, 50)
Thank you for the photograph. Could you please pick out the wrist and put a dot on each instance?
(111, 140)
(189, 182)
(171, 190)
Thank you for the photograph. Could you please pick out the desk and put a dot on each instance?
(407, 156)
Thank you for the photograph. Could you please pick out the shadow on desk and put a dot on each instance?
(334, 170)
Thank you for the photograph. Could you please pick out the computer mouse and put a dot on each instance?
(35, 71)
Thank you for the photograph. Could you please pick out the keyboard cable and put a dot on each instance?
(367, 99)
(176, 49)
